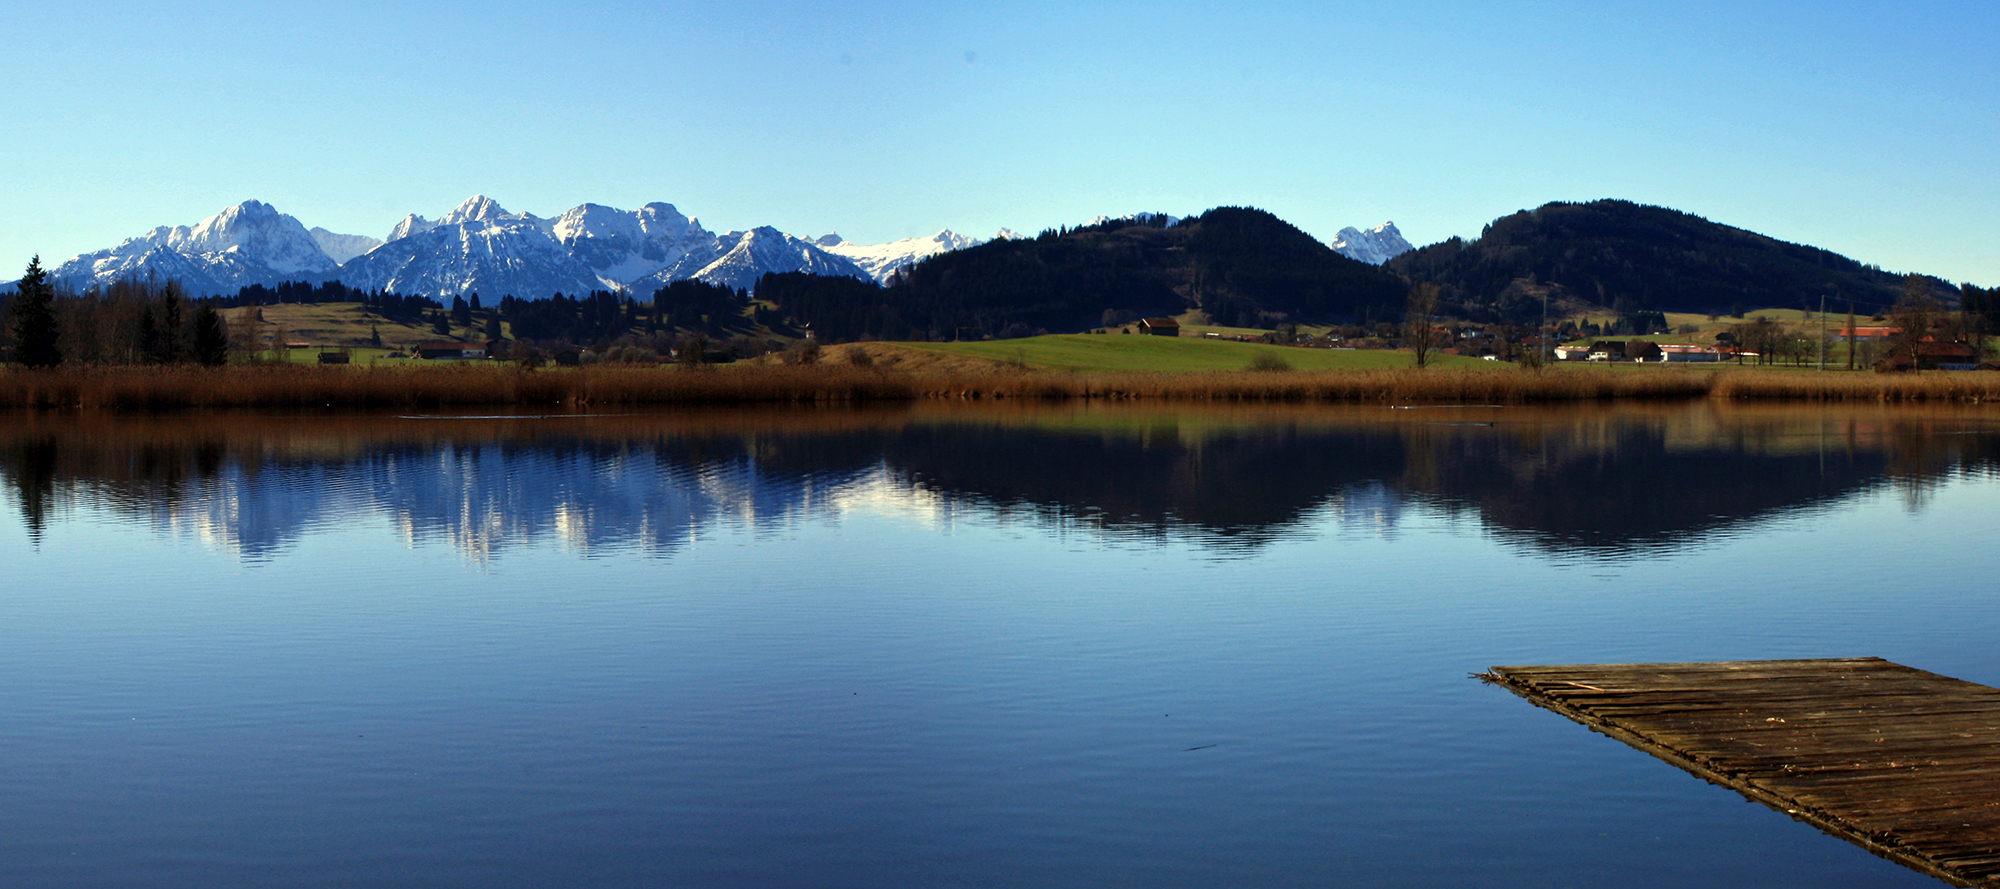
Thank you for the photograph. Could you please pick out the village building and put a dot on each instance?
(443, 351)
(1680, 352)
(1869, 334)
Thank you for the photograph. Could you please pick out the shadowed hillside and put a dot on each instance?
(1243, 267)
(1637, 258)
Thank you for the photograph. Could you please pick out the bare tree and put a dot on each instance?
(1420, 322)
(1919, 314)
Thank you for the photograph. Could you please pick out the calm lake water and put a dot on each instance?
(1074, 646)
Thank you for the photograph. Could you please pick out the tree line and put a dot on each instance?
(130, 322)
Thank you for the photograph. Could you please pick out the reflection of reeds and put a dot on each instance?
(267, 387)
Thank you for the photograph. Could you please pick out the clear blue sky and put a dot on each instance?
(1871, 129)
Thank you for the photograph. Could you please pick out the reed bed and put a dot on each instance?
(426, 387)
(1936, 387)
(158, 388)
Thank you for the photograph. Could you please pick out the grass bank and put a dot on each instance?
(153, 388)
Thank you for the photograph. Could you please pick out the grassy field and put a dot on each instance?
(1120, 353)
(332, 325)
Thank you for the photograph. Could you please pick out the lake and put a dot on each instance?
(941, 645)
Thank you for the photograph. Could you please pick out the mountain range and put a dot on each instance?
(480, 247)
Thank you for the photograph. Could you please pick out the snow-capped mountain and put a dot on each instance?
(411, 225)
(250, 243)
(477, 248)
(341, 248)
(1374, 246)
(621, 248)
(743, 257)
(882, 260)
(480, 247)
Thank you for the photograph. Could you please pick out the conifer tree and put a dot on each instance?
(173, 332)
(211, 337)
(35, 329)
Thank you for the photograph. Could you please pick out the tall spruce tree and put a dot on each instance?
(211, 337)
(35, 329)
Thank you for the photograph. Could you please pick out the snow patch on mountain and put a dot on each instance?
(341, 248)
(882, 260)
(1374, 246)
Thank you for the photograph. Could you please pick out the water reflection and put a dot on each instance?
(1578, 480)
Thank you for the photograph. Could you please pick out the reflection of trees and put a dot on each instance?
(1561, 480)
(1618, 485)
(31, 468)
(1239, 484)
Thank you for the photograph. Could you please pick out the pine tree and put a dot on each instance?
(35, 329)
(173, 332)
(211, 337)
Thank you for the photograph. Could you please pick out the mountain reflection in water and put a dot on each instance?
(1599, 480)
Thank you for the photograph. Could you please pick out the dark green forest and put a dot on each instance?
(1244, 267)
(1637, 258)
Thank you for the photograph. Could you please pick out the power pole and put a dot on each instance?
(1822, 331)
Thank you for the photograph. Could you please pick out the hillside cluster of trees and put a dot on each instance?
(1242, 266)
(1639, 257)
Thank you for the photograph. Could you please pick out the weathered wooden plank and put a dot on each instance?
(1901, 761)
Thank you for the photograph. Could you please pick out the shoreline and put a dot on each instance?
(180, 387)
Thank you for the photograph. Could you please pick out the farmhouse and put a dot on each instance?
(1160, 326)
(1677, 352)
(447, 350)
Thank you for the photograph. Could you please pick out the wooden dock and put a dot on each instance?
(1903, 762)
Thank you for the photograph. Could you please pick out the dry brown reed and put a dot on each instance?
(1935, 387)
(156, 388)
(153, 388)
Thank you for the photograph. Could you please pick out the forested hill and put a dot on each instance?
(1244, 267)
(1636, 257)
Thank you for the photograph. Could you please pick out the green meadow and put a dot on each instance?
(1138, 353)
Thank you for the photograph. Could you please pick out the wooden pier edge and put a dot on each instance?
(1831, 824)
